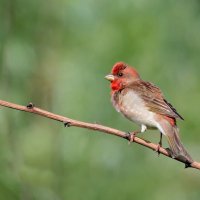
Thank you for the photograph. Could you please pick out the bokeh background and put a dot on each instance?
(56, 54)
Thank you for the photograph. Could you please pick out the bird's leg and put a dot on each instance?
(159, 144)
(131, 135)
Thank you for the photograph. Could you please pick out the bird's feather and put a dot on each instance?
(154, 99)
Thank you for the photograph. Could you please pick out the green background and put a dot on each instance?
(56, 54)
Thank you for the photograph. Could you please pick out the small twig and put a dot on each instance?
(97, 127)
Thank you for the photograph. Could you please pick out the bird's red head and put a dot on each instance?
(121, 76)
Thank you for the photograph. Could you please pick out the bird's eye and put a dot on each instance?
(120, 74)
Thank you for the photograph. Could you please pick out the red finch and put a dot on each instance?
(143, 103)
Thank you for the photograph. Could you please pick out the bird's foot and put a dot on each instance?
(131, 136)
(158, 148)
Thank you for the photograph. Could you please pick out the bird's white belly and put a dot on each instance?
(133, 107)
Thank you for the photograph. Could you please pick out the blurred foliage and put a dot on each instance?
(56, 54)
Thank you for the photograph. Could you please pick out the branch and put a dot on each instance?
(97, 127)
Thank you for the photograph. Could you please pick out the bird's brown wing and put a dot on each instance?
(154, 99)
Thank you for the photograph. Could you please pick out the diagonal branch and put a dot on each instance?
(97, 127)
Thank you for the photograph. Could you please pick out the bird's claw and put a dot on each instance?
(131, 136)
(159, 146)
(158, 149)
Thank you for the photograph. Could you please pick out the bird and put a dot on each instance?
(144, 104)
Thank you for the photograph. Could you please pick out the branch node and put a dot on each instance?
(30, 105)
(67, 124)
(187, 164)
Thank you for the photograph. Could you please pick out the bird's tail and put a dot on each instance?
(177, 148)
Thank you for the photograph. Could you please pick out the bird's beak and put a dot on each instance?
(110, 77)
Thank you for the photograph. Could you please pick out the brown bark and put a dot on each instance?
(97, 127)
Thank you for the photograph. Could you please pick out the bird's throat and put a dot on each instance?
(116, 85)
